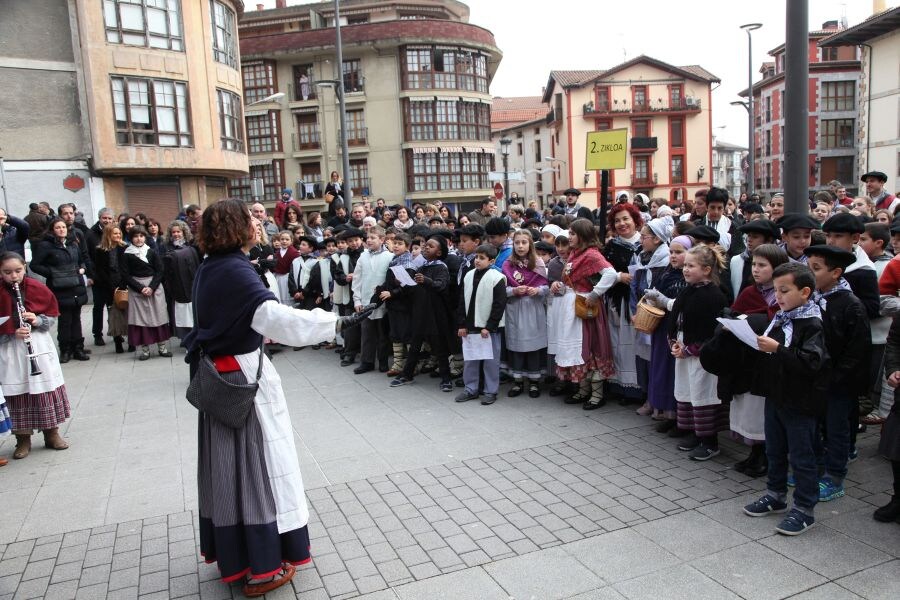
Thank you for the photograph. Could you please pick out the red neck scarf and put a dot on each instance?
(37, 297)
(582, 265)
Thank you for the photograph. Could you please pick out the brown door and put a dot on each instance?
(160, 200)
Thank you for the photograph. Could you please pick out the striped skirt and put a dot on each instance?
(238, 526)
(704, 421)
(5, 422)
(39, 411)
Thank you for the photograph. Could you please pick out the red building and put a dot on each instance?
(833, 80)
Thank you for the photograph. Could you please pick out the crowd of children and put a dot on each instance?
(483, 305)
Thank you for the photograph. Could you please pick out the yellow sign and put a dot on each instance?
(606, 149)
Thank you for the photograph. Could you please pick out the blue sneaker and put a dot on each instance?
(795, 523)
(401, 380)
(791, 481)
(767, 505)
(829, 490)
(854, 454)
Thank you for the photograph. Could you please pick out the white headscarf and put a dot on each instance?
(140, 252)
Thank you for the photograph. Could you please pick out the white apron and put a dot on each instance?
(15, 366)
(569, 331)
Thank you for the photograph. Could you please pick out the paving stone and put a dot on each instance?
(18, 549)
(424, 571)
(94, 575)
(155, 563)
(68, 554)
(129, 542)
(46, 550)
(183, 586)
(33, 588)
(338, 583)
(130, 593)
(61, 591)
(105, 539)
(99, 556)
(153, 582)
(126, 560)
(124, 578)
(393, 571)
(67, 572)
(13, 566)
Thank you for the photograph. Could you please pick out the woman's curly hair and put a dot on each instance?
(224, 227)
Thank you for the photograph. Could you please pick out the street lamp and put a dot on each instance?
(750, 27)
(272, 98)
(504, 151)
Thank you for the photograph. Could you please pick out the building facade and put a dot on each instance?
(416, 77)
(878, 98)
(521, 121)
(152, 102)
(834, 75)
(727, 170)
(666, 111)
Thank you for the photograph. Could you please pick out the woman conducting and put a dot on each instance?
(253, 512)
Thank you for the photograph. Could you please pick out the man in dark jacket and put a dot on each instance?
(103, 294)
(67, 214)
(13, 234)
(38, 219)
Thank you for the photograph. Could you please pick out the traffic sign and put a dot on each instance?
(606, 150)
(498, 191)
(510, 175)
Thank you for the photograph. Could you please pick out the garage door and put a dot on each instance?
(160, 200)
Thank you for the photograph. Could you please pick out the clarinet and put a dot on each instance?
(20, 306)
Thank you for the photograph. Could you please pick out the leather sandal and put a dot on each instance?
(255, 590)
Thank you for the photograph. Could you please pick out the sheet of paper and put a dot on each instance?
(475, 347)
(3, 320)
(402, 276)
(742, 331)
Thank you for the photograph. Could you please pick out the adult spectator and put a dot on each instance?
(38, 221)
(340, 217)
(102, 290)
(875, 181)
(573, 208)
(61, 261)
(141, 269)
(485, 213)
(76, 233)
(107, 256)
(380, 207)
(335, 190)
(357, 214)
(287, 199)
(259, 213)
(698, 208)
(13, 233)
(516, 215)
(68, 212)
(192, 214)
(105, 217)
(843, 198)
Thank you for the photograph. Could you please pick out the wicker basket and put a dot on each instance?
(646, 318)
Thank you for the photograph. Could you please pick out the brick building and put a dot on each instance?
(834, 74)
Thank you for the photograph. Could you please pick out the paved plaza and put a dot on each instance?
(413, 496)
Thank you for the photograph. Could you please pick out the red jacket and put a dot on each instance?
(889, 283)
(281, 208)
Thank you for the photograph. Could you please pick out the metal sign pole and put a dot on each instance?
(3, 186)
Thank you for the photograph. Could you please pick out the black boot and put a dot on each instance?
(757, 463)
(889, 512)
(98, 340)
(65, 352)
(78, 352)
(119, 342)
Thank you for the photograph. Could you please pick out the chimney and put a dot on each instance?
(830, 25)
(280, 3)
(260, 7)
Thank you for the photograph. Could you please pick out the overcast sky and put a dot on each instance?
(537, 37)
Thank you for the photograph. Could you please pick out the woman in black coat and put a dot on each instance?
(148, 320)
(335, 187)
(107, 256)
(59, 259)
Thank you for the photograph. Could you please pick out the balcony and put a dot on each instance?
(354, 83)
(305, 140)
(303, 93)
(358, 136)
(643, 145)
(309, 189)
(687, 105)
(551, 117)
(643, 180)
(362, 187)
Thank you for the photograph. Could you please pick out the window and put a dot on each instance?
(639, 98)
(640, 128)
(768, 142)
(603, 99)
(359, 177)
(307, 132)
(304, 86)
(829, 54)
(273, 182)
(224, 37)
(837, 133)
(538, 155)
(356, 127)
(768, 109)
(262, 133)
(259, 80)
(151, 112)
(447, 120)
(838, 95)
(519, 149)
(603, 125)
(353, 79)
(430, 171)
(230, 123)
(677, 170)
(676, 96)
(444, 67)
(676, 135)
(148, 23)
(641, 170)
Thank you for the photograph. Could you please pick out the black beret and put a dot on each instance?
(309, 240)
(497, 226)
(795, 221)
(841, 257)
(763, 226)
(530, 222)
(875, 174)
(543, 246)
(753, 208)
(843, 223)
(351, 232)
(895, 227)
(473, 230)
(321, 245)
(444, 233)
(572, 192)
(704, 233)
